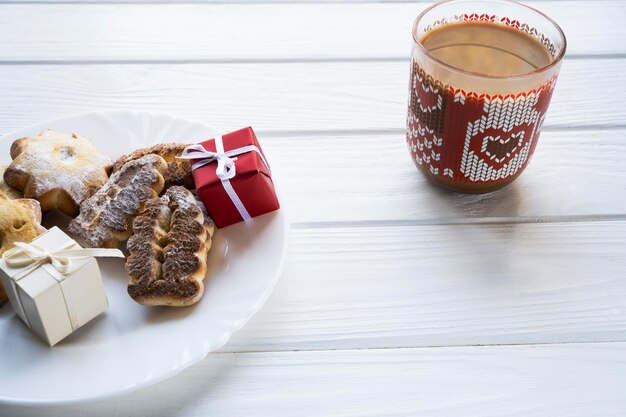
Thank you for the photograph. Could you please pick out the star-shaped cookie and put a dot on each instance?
(57, 169)
(19, 222)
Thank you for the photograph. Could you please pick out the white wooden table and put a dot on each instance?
(371, 318)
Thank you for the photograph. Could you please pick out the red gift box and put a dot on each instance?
(232, 177)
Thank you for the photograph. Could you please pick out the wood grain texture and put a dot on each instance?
(353, 175)
(147, 2)
(278, 97)
(371, 178)
(325, 85)
(236, 2)
(575, 380)
(338, 177)
(218, 32)
(446, 285)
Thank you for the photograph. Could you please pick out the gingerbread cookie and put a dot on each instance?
(178, 170)
(168, 250)
(57, 169)
(106, 218)
(19, 222)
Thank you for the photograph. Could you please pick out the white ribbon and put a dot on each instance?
(58, 264)
(226, 169)
(32, 256)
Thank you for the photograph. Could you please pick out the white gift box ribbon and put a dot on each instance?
(226, 169)
(58, 264)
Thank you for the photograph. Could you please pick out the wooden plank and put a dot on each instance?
(339, 178)
(425, 3)
(277, 97)
(235, 32)
(362, 176)
(578, 380)
(380, 287)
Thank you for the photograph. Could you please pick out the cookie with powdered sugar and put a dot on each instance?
(57, 169)
(168, 250)
(178, 170)
(106, 218)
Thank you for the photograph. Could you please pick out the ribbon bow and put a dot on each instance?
(33, 256)
(57, 263)
(225, 170)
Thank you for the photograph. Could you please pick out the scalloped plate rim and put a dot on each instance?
(225, 336)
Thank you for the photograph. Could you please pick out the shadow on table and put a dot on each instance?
(506, 201)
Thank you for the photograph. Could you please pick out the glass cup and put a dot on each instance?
(476, 132)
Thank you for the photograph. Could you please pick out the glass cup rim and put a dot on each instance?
(545, 68)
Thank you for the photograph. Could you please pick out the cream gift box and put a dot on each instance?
(53, 284)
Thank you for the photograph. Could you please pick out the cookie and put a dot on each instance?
(106, 218)
(58, 170)
(178, 170)
(5, 188)
(168, 250)
(19, 222)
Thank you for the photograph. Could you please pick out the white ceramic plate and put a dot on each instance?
(133, 346)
